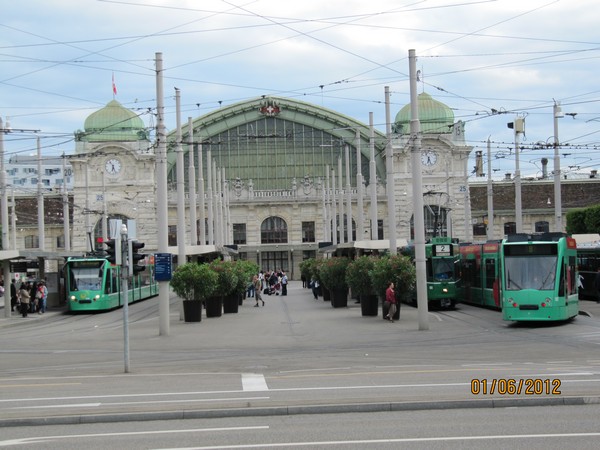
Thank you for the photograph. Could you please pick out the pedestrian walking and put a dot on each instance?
(314, 284)
(390, 300)
(257, 282)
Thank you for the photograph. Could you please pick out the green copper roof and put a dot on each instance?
(114, 122)
(435, 117)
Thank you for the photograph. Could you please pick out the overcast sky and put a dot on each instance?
(487, 60)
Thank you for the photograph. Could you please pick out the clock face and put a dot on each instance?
(428, 158)
(113, 166)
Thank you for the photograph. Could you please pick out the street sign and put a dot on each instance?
(163, 266)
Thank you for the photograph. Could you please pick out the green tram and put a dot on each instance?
(480, 266)
(539, 277)
(94, 284)
(442, 261)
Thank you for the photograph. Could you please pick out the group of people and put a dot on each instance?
(269, 283)
(28, 297)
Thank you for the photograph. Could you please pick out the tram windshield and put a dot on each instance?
(443, 268)
(530, 272)
(85, 275)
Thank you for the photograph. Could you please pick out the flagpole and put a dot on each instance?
(114, 86)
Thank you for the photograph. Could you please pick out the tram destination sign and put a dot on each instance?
(163, 266)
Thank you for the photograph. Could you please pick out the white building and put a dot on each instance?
(22, 174)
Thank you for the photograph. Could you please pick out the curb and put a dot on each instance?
(297, 410)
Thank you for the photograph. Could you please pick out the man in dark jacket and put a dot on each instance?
(13, 294)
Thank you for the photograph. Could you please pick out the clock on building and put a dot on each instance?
(428, 158)
(113, 166)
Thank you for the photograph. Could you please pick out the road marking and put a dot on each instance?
(253, 382)
(154, 402)
(34, 440)
(400, 440)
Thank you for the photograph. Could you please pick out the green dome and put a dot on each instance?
(113, 123)
(435, 117)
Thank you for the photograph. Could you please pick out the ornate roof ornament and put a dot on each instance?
(269, 108)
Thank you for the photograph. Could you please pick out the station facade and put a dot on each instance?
(274, 177)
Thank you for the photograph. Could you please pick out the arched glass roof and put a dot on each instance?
(273, 140)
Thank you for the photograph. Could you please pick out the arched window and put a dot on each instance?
(273, 230)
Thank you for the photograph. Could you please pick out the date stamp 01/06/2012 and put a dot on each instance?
(513, 386)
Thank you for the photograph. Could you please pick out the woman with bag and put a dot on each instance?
(390, 302)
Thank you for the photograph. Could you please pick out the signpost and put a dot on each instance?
(163, 266)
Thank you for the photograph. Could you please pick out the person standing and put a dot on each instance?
(13, 295)
(314, 284)
(597, 285)
(25, 298)
(44, 299)
(284, 283)
(390, 300)
(257, 287)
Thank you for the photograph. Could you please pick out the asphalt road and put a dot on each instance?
(293, 356)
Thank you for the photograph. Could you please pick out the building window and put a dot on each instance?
(380, 229)
(479, 229)
(510, 228)
(273, 230)
(239, 233)
(542, 227)
(308, 232)
(60, 241)
(275, 261)
(32, 241)
(172, 235)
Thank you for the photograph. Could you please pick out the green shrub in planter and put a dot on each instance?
(227, 276)
(194, 282)
(332, 272)
(358, 275)
(245, 270)
(398, 269)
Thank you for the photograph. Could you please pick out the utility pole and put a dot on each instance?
(490, 193)
(372, 180)
(558, 226)
(162, 209)
(122, 246)
(417, 187)
(519, 127)
(390, 183)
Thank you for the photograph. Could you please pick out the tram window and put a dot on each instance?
(429, 268)
(561, 286)
(443, 268)
(490, 272)
(572, 281)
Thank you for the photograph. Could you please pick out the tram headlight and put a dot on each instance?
(546, 302)
(73, 298)
(445, 290)
(97, 297)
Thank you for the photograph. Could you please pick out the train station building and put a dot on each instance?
(275, 177)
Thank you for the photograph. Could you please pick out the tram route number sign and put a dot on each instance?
(163, 266)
